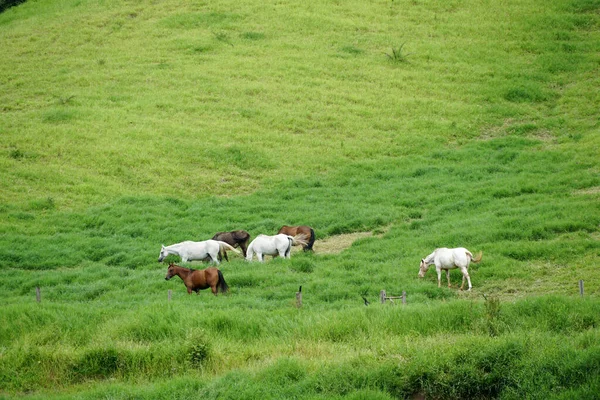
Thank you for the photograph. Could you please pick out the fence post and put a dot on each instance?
(169, 295)
(299, 298)
(382, 296)
(403, 297)
(581, 287)
(38, 294)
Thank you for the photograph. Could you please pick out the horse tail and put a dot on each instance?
(477, 257)
(298, 239)
(222, 285)
(250, 251)
(229, 247)
(311, 240)
(290, 243)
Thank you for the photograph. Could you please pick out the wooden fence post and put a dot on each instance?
(382, 296)
(299, 298)
(38, 294)
(581, 287)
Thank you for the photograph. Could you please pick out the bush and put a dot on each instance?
(6, 4)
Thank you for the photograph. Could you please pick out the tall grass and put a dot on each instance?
(442, 351)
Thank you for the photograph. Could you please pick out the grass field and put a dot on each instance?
(391, 127)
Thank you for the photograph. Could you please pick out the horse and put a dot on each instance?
(273, 245)
(307, 231)
(197, 280)
(447, 259)
(189, 251)
(234, 238)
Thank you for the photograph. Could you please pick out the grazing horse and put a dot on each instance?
(307, 231)
(234, 238)
(273, 245)
(447, 259)
(189, 251)
(197, 280)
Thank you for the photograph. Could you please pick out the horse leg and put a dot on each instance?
(260, 257)
(214, 289)
(224, 255)
(439, 274)
(448, 277)
(467, 277)
(244, 248)
(468, 281)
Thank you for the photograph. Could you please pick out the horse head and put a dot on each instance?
(163, 253)
(170, 271)
(423, 269)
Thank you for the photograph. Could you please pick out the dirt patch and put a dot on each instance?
(591, 190)
(337, 244)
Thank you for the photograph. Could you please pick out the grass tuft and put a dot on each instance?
(398, 55)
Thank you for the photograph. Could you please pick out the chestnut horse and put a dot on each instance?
(234, 238)
(307, 231)
(196, 280)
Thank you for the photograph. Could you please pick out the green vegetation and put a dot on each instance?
(127, 125)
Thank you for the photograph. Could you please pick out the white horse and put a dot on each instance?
(189, 251)
(447, 259)
(273, 245)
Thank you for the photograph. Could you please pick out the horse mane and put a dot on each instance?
(179, 266)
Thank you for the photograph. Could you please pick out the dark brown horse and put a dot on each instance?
(307, 231)
(234, 238)
(196, 280)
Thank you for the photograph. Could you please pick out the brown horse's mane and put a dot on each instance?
(179, 266)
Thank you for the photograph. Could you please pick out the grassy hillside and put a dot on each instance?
(127, 125)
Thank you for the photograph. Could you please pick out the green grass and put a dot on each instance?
(129, 125)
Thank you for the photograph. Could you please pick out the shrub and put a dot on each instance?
(6, 4)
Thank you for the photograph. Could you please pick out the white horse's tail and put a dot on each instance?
(299, 239)
(250, 252)
(477, 257)
(226, 246)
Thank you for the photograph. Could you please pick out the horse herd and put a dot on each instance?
(216, 249)
(281, 244)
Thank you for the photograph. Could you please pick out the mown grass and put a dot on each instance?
(129, 125)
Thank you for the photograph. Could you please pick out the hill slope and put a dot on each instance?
(125, 125)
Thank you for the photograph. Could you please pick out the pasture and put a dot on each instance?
(402, 125)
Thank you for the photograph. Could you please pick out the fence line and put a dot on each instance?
(383, 297)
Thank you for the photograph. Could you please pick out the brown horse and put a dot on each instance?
(196, 280)
(234, 238)
(307, 231)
